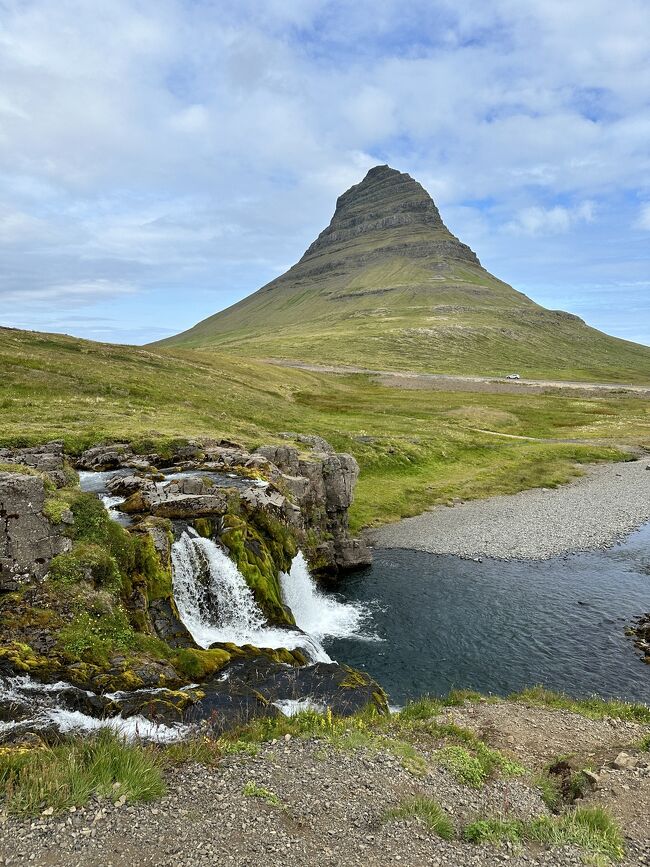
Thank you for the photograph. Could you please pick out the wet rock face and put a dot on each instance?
(257, 687)
(27, 539)
(322, 486)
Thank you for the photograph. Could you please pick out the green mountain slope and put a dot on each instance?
(386, 285)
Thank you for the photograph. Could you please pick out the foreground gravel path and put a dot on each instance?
(329, 806)
(595, 511)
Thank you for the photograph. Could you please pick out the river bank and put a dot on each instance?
(595, 511)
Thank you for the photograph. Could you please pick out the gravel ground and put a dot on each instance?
(595, 511)
(331, 806)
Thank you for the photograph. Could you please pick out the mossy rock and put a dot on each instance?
(148, 563)
(204, 527)
(260, 557)
(275, 654)
(201, 664)
(86, 562)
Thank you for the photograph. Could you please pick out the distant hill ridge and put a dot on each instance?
(387, 285)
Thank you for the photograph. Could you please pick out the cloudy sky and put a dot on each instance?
(160, 159)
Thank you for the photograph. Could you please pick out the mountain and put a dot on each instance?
(387, 285)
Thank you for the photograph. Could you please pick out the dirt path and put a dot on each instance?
(452, 382)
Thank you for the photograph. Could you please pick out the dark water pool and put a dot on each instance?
(497, 627)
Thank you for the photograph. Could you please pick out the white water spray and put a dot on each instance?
(217, 605)
(317, 613)
(39, 706)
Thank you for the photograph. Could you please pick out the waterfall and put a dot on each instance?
(27, 705)
(315, 612)
(217, 605)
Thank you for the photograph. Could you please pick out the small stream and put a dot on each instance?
(500, 626)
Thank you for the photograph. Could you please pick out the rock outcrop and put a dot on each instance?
(89, 602)
(321, 483)
(28, 541)
(48, 459)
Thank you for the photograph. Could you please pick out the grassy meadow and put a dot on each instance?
(415, 448)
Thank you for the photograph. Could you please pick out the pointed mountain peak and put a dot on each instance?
(387, 207)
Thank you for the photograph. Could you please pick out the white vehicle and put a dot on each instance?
(513, 376)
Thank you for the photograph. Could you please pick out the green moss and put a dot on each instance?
(200, 664)
(93, 524)
(57, 506)
(94, 638)
(204, 527)
(260, 557)
(86, 562)
(147, 563)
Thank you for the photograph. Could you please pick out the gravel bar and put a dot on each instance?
(595, 511)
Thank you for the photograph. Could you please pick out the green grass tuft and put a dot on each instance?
(69, 774)
(592, 707)
(428, 811)
(589, 828)
(493, 831)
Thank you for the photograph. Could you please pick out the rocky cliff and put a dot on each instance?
(89, 601)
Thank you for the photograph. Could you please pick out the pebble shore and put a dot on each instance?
(594, 511)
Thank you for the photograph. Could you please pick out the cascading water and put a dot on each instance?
(320, 615)
(217, 605)
(26, 705)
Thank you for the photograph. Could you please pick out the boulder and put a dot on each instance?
(28, 541)
(124, 486)
(48, 459)
(259, 686)
(105, 457)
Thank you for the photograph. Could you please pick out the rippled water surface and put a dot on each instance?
(498, 626)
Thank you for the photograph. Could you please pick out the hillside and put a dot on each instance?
(387, 285)
(414, 448)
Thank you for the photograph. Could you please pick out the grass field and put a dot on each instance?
(415, 448)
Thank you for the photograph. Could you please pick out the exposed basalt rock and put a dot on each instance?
(48, 459)
(385, 199)
(105, 457)
(640, 634)
(256, 687)
(28, 541)
(321, 484)
(124, 486)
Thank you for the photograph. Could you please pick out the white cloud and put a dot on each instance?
(154, 140)
(535, 220)
(83, 293)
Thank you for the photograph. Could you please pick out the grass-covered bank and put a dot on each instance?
(415, 448)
